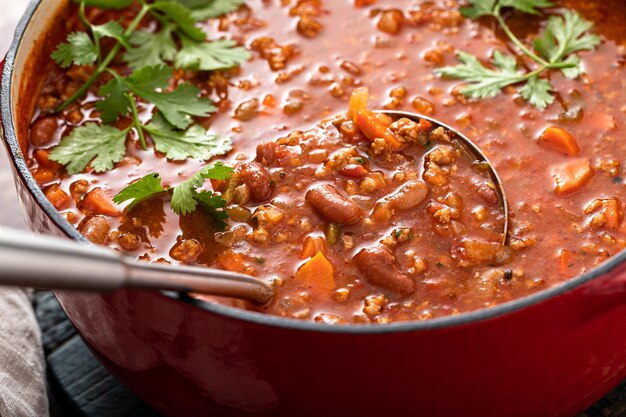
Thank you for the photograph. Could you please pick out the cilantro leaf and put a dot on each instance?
(565, 35)
(575, 70)
(209, 56)
(195, 142)
(150, 78)
(106, 4)
(479, 8)
(149, 49)
(112, 30)
(212, 203)
(79, 49)
(182, 16)
(103, 146)
(183, 196)
(179, 105)
(115, 102)
(141, 190)
(207, 9)
(527, 6)
(483, 82)
(538, 92)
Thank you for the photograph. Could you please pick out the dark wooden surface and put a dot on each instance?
(79, 384)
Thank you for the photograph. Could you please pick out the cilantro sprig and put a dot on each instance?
(555, 49)
(176, 40)
(186, 197)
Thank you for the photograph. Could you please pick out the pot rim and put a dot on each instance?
(471, 317)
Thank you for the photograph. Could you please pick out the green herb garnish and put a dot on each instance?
(555, 49)
(177, 40)
(186, 197)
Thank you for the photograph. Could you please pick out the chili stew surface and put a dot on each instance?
(348, 223)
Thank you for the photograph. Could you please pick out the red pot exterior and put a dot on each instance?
(554, 357)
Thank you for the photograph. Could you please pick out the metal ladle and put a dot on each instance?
(28, 260)
(480, 161)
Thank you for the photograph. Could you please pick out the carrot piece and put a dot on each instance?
(97, 201)
(358, 102)
(383, 118)
(565, 260)
(235, 262)
(317, 273)
(57, 197)
(44, 175)
(311, 246)
(423, 125)
(373, 128)
(559, 140)
(42, 157)
(572, 176)
(218, 185)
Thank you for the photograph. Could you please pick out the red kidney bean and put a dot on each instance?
(332, 206)
(379, 268)
(43, 130)
(354, 171)
(257, 179)
(410, 195)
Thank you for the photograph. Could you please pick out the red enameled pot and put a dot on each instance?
(550, 354)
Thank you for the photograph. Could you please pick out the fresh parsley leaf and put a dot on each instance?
(150, 78)
(538, 92)
(527, 6)
(103, 146)
(209, 56)
(106, 4)
(575, 70)
(141, 190)
(149, 49)
(213, 204)
(115, 102)
(483, 82)
(112, 30)
(195, 142)
(183, 196)
(479, 8)
(179, 105)
(182, 16)
(79, 49)
(207, 9)
(564, 35)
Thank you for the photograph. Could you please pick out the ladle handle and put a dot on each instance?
(27, 260)
(40, 261)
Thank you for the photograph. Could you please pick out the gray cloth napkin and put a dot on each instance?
(22, 365)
